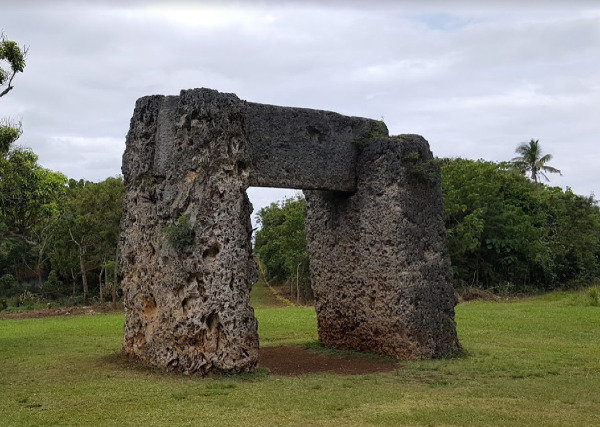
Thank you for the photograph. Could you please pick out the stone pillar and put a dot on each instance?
(186, 236)
(379, 268)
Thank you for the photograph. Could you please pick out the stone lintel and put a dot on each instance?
(305, 149)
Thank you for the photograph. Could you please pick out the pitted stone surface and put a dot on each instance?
(187, 308)
(305, 149)
(378, 262)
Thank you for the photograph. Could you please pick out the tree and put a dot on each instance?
(30, 197)
(87, 231)
(15, 56)
(281, 244)
(494, 225)
(507, 233)
(10, 53)
(531, 159)
(573, 229)
(9, 133)
(110, 193)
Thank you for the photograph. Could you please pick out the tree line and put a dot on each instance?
(505, 233)
(58, 236)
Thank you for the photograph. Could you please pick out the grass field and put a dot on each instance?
(530, 362)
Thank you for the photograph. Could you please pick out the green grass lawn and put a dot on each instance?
(531, 362)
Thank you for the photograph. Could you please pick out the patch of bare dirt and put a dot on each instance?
(60, 311)
(471, 294)
(295, 360)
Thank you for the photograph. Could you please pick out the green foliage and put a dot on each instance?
(593, 296)
(281, 243)
(53, 284)
(14, 55)
(26, 299)
(492, 238)
(86, 232)
(505, 233)
(110, 266)
(9, 133)
(509, 234)
(15, 255)
(181, 234)
(49, 223)
(7, 284)
(30, 200)
(29, 193)
(531, 159)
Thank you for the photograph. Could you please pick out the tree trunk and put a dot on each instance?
(83, 275)
(40, 264)
(114, 287)
(100, 283)
(297, 285)
(84, 283)
(74, 282)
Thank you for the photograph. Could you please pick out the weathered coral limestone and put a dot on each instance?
(378, 262)
(379, 267)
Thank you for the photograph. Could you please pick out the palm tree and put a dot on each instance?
(533, 160)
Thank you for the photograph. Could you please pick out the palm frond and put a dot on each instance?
(533, 160)
(541, 173)
(522, 149)
(550, 169)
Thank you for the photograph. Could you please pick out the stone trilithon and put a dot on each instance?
(379, 268)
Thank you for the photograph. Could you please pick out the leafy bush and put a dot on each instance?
(74, 300)
(593, 296)
(53, 284)
(26, 299)
(7, 284)
(510, 235)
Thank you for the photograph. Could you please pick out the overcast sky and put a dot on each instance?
(474, 80)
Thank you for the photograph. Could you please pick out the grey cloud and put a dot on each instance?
(473, 80)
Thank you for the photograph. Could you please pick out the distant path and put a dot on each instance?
(263, 296)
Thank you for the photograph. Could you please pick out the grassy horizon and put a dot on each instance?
(529, 362)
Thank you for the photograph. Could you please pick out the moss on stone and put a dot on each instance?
(418, 170)
(377, 129)
(181, 234)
